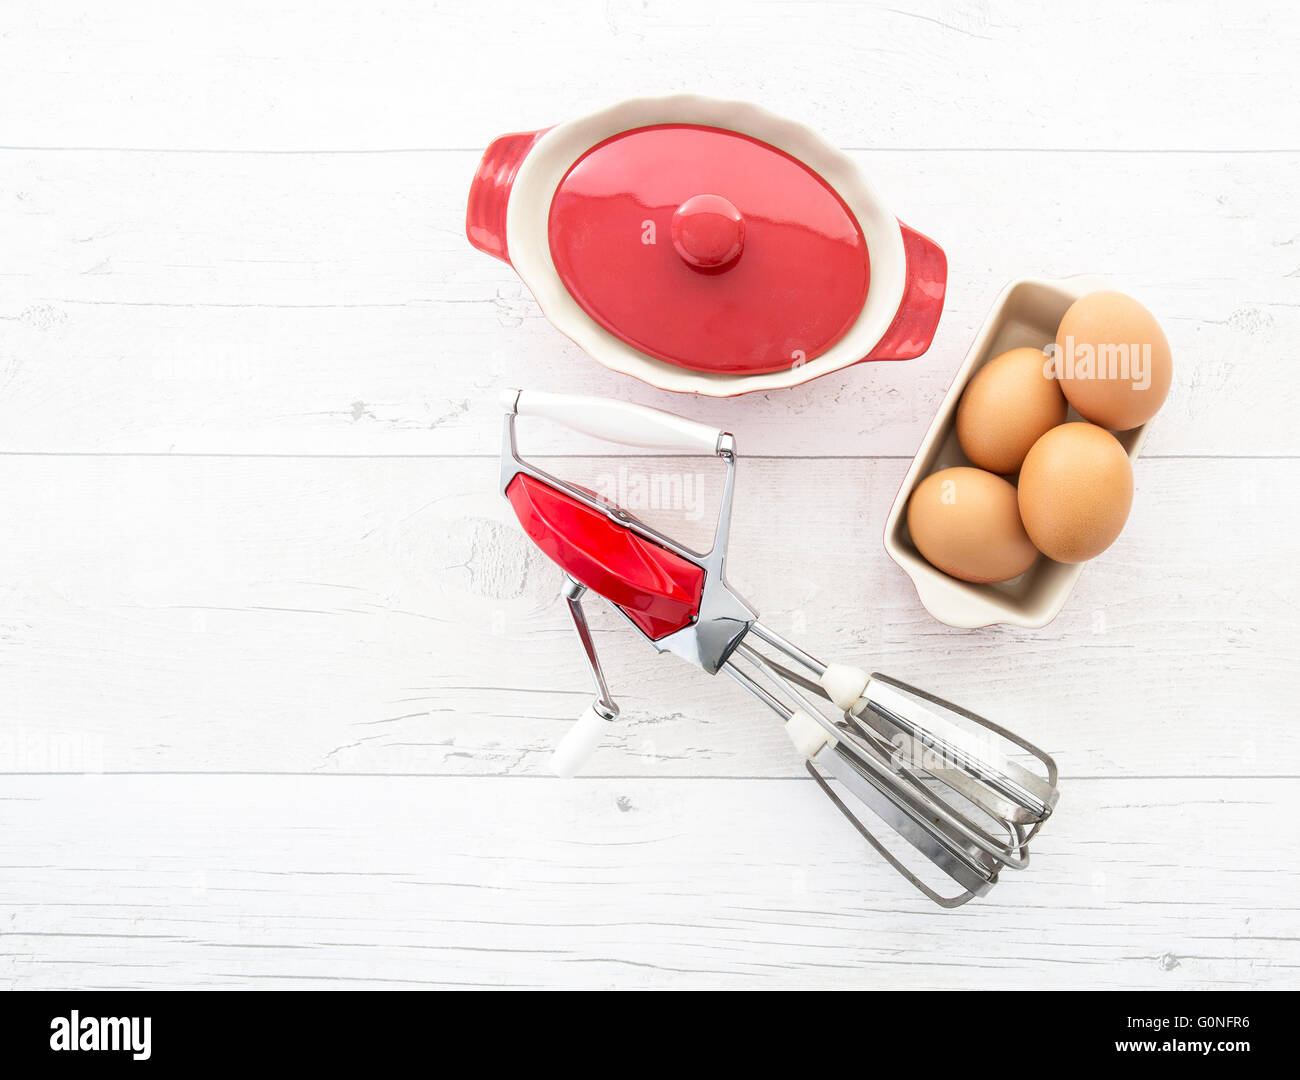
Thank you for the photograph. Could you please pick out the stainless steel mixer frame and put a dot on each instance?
(723, 619)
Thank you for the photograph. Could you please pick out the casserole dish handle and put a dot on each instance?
(912, 330)
(485, 216)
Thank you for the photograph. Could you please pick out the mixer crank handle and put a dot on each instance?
(585, 736)
(617, 421)
(573, 593)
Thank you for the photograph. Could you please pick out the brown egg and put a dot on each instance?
(1006, 407)
(1076, 487)
(965, 522)
(1113, 360)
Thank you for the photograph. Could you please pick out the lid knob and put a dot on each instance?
(708, 232)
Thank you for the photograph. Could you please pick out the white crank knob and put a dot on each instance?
(579, 743)
(844, 684)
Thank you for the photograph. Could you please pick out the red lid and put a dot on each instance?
(708, 249)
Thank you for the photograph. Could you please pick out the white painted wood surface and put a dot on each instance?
(278, 674)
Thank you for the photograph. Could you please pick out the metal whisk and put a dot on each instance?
(943, 779)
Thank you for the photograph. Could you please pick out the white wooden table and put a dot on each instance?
(278, 672)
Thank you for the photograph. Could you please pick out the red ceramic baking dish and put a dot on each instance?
(706, 246)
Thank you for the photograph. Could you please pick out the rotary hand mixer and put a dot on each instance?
(942, 778)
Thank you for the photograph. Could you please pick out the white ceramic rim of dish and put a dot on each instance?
(549, 160)
(959, 603)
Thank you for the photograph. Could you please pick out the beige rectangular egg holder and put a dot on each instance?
(1026, 313)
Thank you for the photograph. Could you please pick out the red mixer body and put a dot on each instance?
(656, 589)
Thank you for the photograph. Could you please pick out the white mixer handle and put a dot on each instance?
(616, 421)
(579, 743)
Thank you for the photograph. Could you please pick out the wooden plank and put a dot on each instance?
(329, 304)
(333, 882)
(936, 73)
(387, 615)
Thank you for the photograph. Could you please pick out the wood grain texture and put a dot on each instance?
(969, 73)
(279, 674)
(388, 615)
(394, 882)
(329, 303)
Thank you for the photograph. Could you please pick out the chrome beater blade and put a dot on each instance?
(943, 779)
